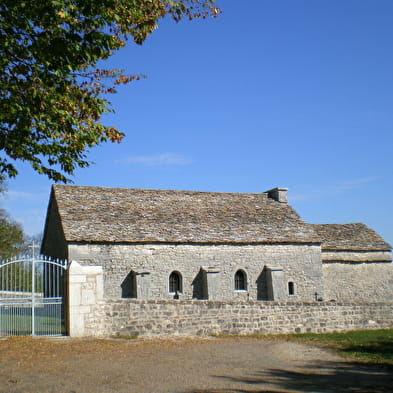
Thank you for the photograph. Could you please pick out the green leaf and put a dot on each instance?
(52, 90)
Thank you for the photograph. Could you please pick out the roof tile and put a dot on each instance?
(99, 214)
(354, 237)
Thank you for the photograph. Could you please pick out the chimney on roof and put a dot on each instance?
(279, 194)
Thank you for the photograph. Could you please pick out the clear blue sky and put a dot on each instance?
(290, 93)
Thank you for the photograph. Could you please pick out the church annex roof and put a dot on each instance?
(121, 215)
(350, 237)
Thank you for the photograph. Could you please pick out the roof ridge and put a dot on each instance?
(158, 190)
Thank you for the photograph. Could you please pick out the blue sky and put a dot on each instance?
(289, 93)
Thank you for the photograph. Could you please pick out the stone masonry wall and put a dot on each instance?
(353, 282)
(357, 256)
(159, 317)
(301, 264)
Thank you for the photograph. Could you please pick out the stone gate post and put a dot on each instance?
(85, 286)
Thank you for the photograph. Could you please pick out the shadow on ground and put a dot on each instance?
(326, 377)
(373, 350)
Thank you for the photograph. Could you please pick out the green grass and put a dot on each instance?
(126, 336)
(371, 346)
(21, 324)
(366, 346)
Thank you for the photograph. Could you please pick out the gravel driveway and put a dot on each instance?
(240, 365)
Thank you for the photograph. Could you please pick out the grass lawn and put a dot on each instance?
(370, 346)
(21, 325)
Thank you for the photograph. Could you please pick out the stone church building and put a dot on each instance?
(165, 244)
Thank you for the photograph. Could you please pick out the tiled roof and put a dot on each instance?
(355, 237)
(97, 214)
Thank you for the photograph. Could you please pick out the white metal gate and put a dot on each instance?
(32, 297)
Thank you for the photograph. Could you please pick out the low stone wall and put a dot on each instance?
(111, 317)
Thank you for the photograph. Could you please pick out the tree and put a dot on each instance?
(32, 245)
(51, 89)
(12, 237)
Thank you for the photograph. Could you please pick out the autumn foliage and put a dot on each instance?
(52, 94)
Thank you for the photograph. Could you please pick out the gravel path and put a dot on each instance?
(240, 365)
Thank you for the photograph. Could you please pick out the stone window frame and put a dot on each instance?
(240, 280)
(175, 282)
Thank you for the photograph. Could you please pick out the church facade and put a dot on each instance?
(189, 245)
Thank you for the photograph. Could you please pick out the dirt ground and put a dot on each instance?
(214, 365)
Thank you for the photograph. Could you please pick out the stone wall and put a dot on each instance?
(356, 256)
(354, 282)
(159, 317)
(148, 267)
(90, 314)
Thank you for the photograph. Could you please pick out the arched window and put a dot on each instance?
(291, 288)
(240, 281)
(175, 282)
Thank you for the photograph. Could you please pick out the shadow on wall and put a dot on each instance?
(262, 293)
(200, 288)
(128, 286)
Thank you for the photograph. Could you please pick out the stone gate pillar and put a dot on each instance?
(85, 286)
